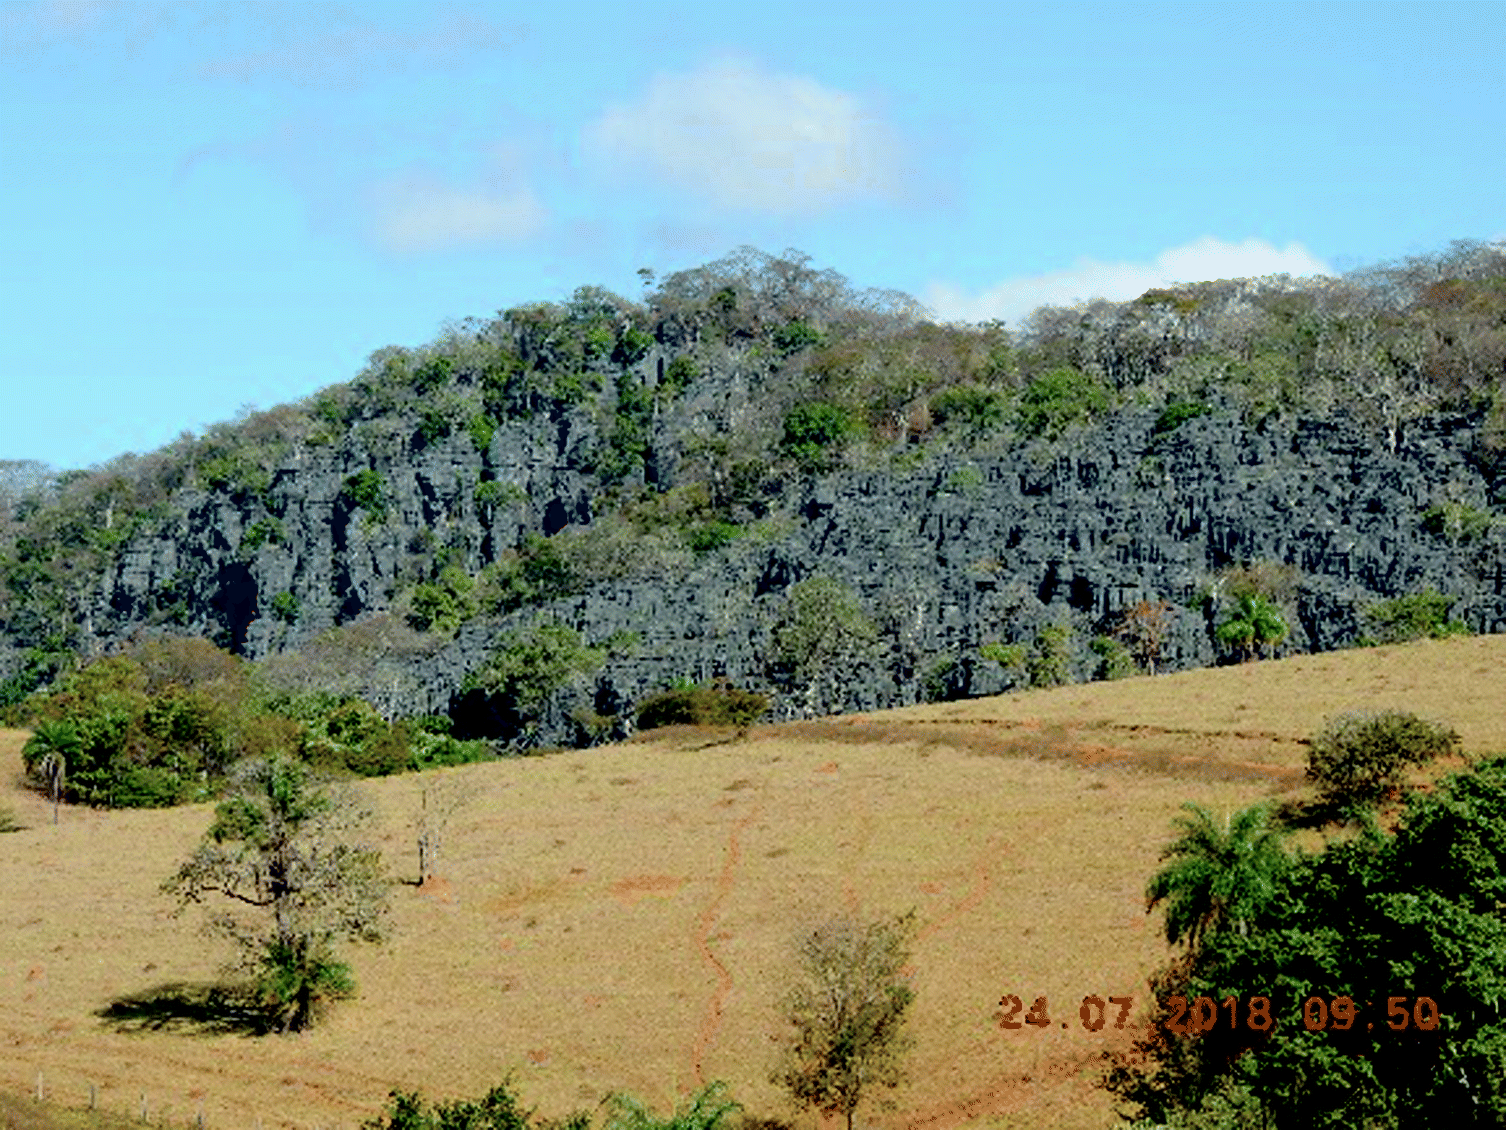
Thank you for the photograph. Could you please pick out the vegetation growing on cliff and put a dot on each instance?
(700, 410)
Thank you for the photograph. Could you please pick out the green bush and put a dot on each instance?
(433, 425)
(433, 374)
(1059, 398)
(498, 1110)
(822, 620)
(481, 429)
(528, 667)
(794, 336)
(367, 491)
(1012, 656)
(1177, 413)
(632, 346)
(719, 704)
(710, 536)
(1114, 659)
(8, 822)
(941, 681)
(678, 375)
(1422, 615)
(148, 786)
(1050, 661)
(286, 607)
(261, 532)
(1457, 522)
(445, 604)
(538, 574)
(812, 430)
(704, 1110)
(1358, 757)
(972, 409)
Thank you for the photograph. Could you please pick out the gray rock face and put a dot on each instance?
(959, 552)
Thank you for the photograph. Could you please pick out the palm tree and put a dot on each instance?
(1219, 876)
(1254, 624)
(47, 752)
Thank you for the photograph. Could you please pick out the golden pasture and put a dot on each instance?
(622, 918)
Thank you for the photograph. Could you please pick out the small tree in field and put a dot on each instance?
(847, 1013)
(278, 851)
(1358, 757)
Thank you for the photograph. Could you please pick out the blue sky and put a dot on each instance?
(208, 205)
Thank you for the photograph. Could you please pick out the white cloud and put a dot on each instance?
(749, 139)
(1203, 259)
(419, 213)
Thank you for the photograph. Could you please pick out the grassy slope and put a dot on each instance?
(620, 918)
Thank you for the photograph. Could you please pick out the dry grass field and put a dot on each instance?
(622, 918)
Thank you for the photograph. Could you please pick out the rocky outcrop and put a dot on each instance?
(957, 552)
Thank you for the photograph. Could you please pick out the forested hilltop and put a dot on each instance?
(759, 477)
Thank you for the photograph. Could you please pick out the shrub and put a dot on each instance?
(433, 374)
(711, 536)
(1059, 398)
(1177, 413)
(1114, 659)
(810, 430)
(444, 605)
(433, 425)
(499, 1110)
(148, 786)
(704, 1110)
(719, 704)
(530, 666)
(632, 346)
(1422, 615)
(1357, 757)
(261, 532)
(1050, 661)
(366, 490)
(942, 682)
(286, 607)
(974, 410)
(491, 494)
(481, 429)
(678, 375)
(1457, 522)
(794, 336)
(822, 619)
(8, 822)
(1013, 656)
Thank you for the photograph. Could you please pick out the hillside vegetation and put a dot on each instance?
(762, 479)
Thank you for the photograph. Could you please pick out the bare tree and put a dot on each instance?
(1144, 627)
(437, 804)
(279, 848)
(847, 1014)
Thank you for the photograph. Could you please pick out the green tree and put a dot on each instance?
(1253, 625)
(47, 754)
(1406, 930)
(813, 431)
(847, 1013)
(822, 619)
(707, 1109)
(279, 852)
(1358, 757)
(1217, 876)
(529, 667)
(1059, 398)
(1422, 615)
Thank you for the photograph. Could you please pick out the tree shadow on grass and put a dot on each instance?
(192, 1010)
